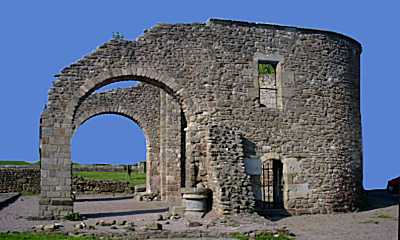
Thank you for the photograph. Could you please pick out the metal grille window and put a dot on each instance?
(272, 184)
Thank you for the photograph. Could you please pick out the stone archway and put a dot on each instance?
(163, 130)
(115, 141)
(140, 104)
(158, 112)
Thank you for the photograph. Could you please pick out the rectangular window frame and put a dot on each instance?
(264, 88)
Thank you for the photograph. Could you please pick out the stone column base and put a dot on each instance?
(55, 207)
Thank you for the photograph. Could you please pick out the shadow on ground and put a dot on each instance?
(98, 199)
(126, 213)
(273, 214)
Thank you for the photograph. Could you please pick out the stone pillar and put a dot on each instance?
(55, 153)
(173, 149)
(190, 173)
(162, 152)
(196, 151)
(170, 147)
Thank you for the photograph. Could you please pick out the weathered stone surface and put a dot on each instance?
(177, 211)
(153, 226)
(212, 112)
(194, 224)
(82, 185)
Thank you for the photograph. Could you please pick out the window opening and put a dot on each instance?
(267, 84)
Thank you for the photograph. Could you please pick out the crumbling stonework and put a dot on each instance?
(208, 75)
(232, 192)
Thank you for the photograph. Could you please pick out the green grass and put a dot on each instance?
(135, 179)
(73, 217)
(10, 162)
(24, 193)
(240, 236)
(272, 237)
(42, 236)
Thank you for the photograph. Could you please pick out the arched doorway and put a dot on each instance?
(108, 156)
(160, 116)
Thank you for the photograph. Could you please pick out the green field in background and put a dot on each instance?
(134, 179)
(10, 162)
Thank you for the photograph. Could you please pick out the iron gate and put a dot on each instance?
(272, 184)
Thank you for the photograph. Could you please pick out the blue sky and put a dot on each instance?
(39, 38)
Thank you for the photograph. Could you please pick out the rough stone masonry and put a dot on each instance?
(265, 116)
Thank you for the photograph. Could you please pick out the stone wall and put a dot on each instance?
(27, 180)
(20, 179)
(211, 71)
(85, 186)
(232, 191)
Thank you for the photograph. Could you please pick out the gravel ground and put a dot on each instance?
(379, 222)
(376, 224)
(13, 217)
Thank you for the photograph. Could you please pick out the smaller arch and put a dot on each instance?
(151, 142)
(94, 113)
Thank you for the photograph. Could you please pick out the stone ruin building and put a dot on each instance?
(265, 116)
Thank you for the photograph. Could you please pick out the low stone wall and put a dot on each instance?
(20, 179)
(81, 185)
(27, 179)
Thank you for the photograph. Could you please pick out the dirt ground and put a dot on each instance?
(379, 221)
